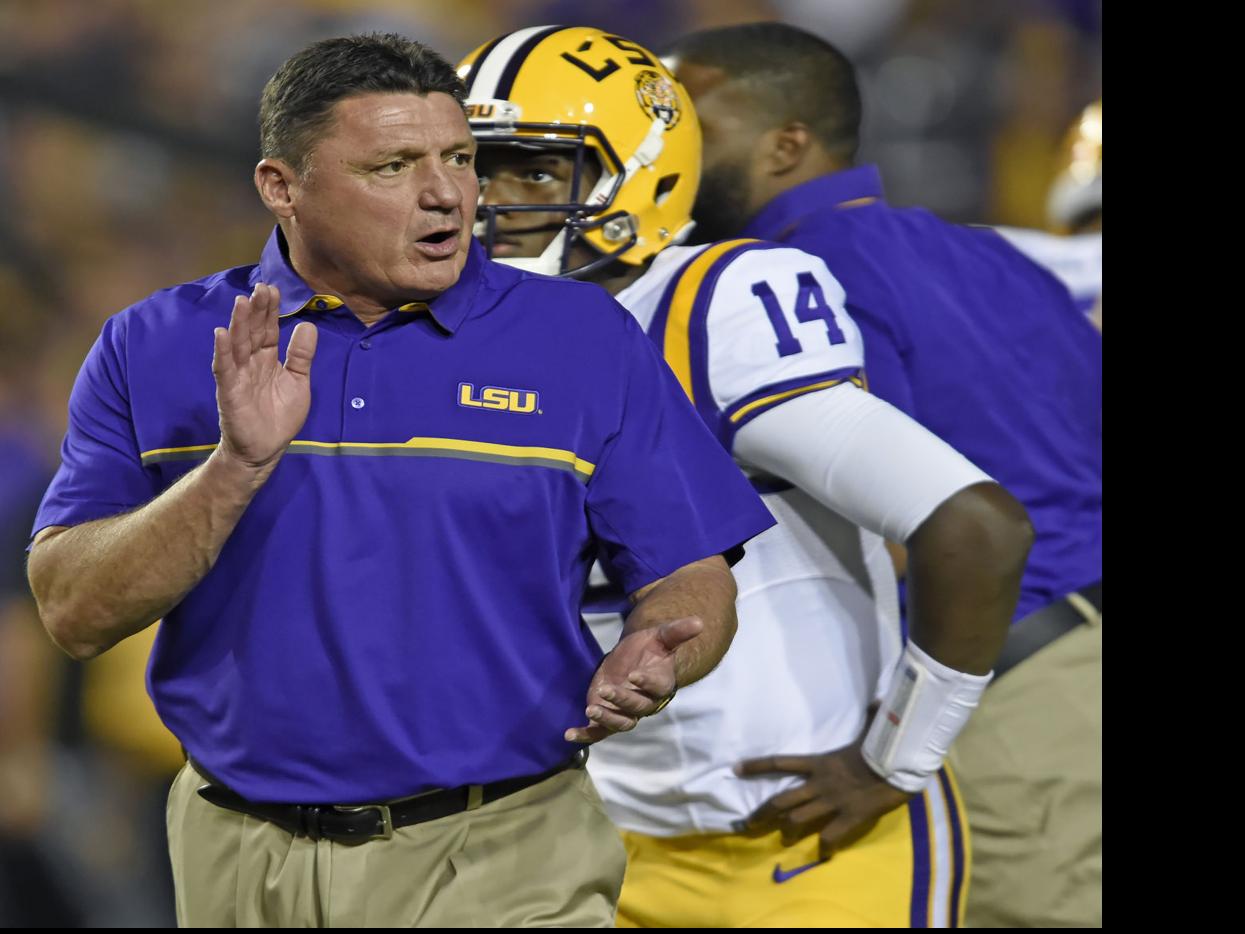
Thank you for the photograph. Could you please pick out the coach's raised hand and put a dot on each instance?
(262, 403)
(103, 580)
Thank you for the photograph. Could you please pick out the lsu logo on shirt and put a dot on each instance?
(499, 399)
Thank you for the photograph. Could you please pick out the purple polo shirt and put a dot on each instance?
(398, 609)
(977, 343)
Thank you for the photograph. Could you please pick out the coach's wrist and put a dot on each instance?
(227, 468)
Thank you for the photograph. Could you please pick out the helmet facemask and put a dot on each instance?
(583, 214)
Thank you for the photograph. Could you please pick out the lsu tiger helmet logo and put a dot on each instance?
(616, 118)
(658, 97)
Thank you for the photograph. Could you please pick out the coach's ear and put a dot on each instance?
(276, 182)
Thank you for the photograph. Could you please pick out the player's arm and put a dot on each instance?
(780, 374)
(100, 581)
(967, 538)
(781, 355)
(967, 541)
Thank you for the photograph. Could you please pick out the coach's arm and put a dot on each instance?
(677, 633)
(99, 582)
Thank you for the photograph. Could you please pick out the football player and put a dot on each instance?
(768, 793)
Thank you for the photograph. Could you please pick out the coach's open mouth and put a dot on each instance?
(439, 243)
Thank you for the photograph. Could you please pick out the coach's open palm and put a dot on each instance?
(634, 679)
(262, 404)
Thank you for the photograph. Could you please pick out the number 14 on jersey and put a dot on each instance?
(810, 305)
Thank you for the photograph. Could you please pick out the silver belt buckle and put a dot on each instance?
(382, 810)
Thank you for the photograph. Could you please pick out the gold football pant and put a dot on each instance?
(909, 871)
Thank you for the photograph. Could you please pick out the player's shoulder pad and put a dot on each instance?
(774, 317)
(760, 261)
(761, 285)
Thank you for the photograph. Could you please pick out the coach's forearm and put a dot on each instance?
(705, 589)
(102, 581)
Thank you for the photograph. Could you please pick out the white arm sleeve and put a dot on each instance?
(859, 456)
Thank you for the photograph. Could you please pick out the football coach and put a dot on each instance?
(362, 481)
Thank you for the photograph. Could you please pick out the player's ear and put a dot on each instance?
(786, 147)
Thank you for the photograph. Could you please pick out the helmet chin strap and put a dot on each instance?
(683, 233)
(650, 148)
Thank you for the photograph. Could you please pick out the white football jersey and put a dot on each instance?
(746, 326)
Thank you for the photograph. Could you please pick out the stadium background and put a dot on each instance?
(127, 139)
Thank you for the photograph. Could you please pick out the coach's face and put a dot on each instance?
(384, 208)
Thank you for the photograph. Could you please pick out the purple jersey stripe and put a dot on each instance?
(921, 868)
(957, 847)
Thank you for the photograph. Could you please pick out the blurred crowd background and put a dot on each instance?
(127, 140)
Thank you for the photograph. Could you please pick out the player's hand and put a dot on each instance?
(840, 801)
(634, 679)
(262, 404)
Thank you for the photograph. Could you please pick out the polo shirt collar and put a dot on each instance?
(449, 309)
(837, 188)
(275, 269)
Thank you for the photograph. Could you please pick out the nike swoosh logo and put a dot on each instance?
(781, 876)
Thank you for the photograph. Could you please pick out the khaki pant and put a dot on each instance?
(1030, 769)
(543, 856)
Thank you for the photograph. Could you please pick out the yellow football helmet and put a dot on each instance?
(1077, 190)
(588, 93)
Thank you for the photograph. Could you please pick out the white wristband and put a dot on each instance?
(922, 714)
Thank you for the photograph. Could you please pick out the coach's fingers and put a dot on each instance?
(302, 348)
(626, 701)
(611, 720)
(586, 734)
(240, 331)
(223, 367)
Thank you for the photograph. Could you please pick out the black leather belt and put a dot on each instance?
(1042, 627)
(359, 823)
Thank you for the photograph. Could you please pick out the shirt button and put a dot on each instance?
(365, 344)
(357, 403)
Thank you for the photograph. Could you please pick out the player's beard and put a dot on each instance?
(721, 208)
